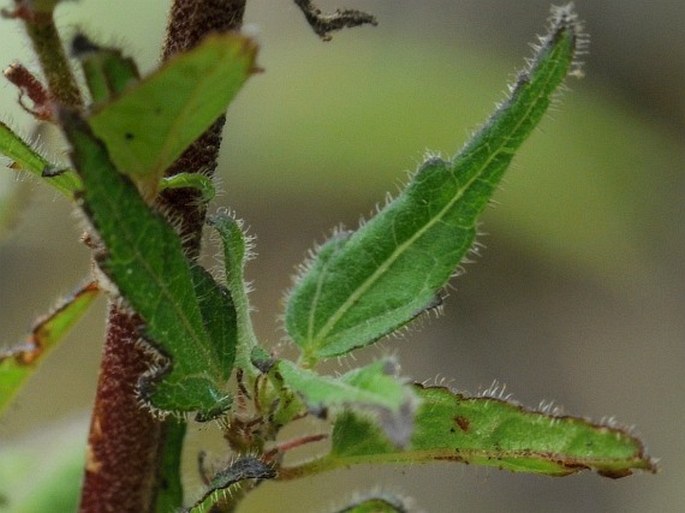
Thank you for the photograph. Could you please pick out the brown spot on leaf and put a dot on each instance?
(453, 458)
(463, 423)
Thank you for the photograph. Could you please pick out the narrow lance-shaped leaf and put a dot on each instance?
(360, 288)
(148, 127)
(237, 248)
(488, 431)
(144, 258)
(374, 389)
(19, 363)
(25, 158)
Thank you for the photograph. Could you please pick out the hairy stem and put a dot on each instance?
(41, 29)
(122, 456)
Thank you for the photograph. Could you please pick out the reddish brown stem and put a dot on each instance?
(32, 88)
(123, 442)
(278, 451)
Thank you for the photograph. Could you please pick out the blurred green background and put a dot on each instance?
(578, 297)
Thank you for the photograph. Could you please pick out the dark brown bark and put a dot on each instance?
(191, 20)
(125, 444)
(122, 452)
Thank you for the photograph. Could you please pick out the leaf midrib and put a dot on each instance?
(179, 122)
(161, 284)
(368, 283)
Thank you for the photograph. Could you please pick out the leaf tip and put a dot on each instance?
(564, 20)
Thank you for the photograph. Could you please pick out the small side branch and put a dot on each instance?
(40, 27)
(324, 24)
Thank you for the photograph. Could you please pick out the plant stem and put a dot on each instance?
(41, 29)
(123, 453)
(127, 450)
(189, 22)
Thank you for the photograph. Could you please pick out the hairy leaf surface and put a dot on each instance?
(237, 247)
(148, 127)
(144, 258)
(25, 158)
(374, 388)
(20, 362)
(493, 432)
(364, 286)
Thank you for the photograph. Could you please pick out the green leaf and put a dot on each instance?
(366, 285)
(228, 480)
(492, 432)
(144, 258)
(107, 72)
(219, 316)
(170, 491)
(26, 158)
(20, 362)
(196, 181)
(374, 388)
(379, 504)
(237, 248)
(147, 128)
